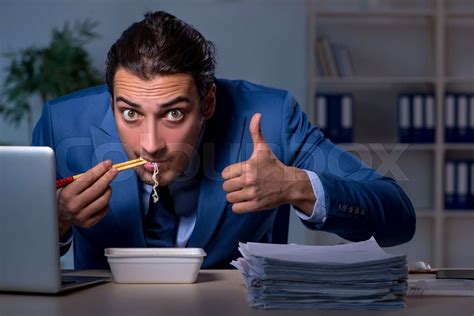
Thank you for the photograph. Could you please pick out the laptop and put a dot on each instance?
(29, 239)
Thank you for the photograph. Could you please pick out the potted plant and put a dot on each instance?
(48, 72)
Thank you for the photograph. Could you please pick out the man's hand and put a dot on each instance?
(84, 202)
(263, 182)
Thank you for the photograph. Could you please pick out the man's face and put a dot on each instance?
(159, 120)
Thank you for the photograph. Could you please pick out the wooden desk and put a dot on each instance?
(217, 292)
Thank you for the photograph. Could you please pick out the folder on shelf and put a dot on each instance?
(321, 112)
(346, 119)
(462, 180)
(334, 116)
(417, 106)
(404, 119)
(470, 132)
(449, 185)
(461, 126)
(450, 123)
(429, 119)
(470, 202)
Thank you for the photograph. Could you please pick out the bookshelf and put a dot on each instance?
(399, 46)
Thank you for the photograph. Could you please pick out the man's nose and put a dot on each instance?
(152, 141)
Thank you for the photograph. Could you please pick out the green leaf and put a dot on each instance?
(57, 69)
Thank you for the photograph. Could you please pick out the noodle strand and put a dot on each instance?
(156, 183)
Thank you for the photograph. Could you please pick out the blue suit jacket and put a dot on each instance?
(360, 202)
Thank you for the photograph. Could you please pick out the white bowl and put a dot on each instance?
(155, 265)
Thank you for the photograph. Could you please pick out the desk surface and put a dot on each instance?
(216, 292)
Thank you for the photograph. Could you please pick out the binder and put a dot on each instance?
(449, 188)
(346, 119)
(334, 117)
(462, 119)
(429, 115)
(462, 180)
(404, 119)
(471, 185)
(417, 118)
(470, 132)
(321, 112)
(450, 111)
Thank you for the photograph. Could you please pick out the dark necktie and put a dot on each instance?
(160, 221)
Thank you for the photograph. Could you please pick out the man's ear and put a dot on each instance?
(210, 103)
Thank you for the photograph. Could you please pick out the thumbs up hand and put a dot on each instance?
(261, 182)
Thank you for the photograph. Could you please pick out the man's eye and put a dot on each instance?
(174, 115)
(129, 115)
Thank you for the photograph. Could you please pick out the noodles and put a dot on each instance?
(156, 183)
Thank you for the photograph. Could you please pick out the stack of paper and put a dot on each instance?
(350, 276)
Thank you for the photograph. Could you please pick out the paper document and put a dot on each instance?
(350, 276)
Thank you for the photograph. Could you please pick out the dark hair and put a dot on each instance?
(161, 44)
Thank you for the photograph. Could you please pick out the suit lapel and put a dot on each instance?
(220, 149)
(125, 202)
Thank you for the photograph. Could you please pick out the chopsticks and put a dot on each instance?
(120, 167)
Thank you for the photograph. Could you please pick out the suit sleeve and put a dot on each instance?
(43, 131)
(43, 136)
(360, 202)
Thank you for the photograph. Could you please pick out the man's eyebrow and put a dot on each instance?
(170, 103)
(132, 104)
(175, 101)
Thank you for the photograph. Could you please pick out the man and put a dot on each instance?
(230, 154)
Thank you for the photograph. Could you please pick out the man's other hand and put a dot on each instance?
(259, 183)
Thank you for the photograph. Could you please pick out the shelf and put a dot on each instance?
(374, 80)
(376, 14)
(424, 50)
(468, 214)
(387, 147)
(460, 80)
(460, 14)
(459, 146)
(425, 214)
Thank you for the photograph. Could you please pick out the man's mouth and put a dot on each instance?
(150, 165)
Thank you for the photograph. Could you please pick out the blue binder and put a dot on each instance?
(470, 202)
(461, 127)
(449, 184)
(346, 118)
(450, 118)
(404, 119)
(334, 117)
(417, 112)
(321, 111)
(470, 131)
(429, 115)
(462, 184)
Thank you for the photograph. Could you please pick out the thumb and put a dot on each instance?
(256, 133)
